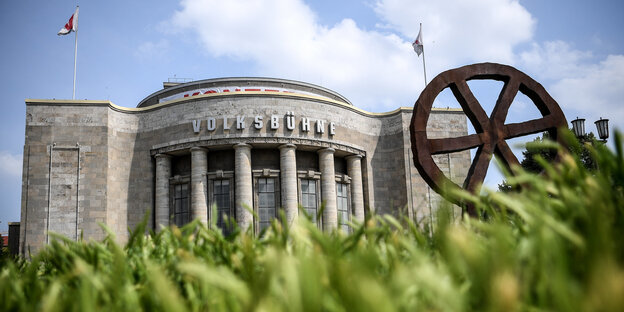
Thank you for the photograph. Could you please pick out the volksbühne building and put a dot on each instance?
(263, 143)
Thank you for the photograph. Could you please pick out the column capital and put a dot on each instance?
(354, 156)
(242, 145)
(288, 145)
(198, 148)
(166, 156)
(326, 150)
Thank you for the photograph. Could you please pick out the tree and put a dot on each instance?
(536, 148)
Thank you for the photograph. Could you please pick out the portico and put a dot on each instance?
(264, 188)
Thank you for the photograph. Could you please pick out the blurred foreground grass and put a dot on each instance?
(556, 245)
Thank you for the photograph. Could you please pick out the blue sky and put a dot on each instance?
(361, 49)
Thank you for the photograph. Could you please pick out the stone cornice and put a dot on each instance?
(293, 96)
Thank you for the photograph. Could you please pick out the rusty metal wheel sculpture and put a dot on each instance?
(491, 132)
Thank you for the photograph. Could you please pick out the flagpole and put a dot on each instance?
(424, 67)
(76, 56)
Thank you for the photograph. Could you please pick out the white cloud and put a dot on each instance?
(595, 91)
(582, 87)
(10, 165)
(554, 60)
(248, 29)
(376, 70)
(457, 32)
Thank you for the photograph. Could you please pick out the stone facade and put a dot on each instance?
(87, 162)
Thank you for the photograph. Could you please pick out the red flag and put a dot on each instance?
(418, 44)
(72, 25)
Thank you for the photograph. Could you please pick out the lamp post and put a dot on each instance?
(578, 126)
(602, 126)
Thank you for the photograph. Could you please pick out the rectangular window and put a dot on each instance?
(181, 207)
(309, 198)
(266, 202)
(342, 203)
(221, 198)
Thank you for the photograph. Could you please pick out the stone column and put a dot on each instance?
(163, 173)
(328, 188)
(243, 180)
(288, 171)
(354, 170)
(199, 166)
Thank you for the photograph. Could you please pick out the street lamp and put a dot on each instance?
(603, 128)
(602, 125)
(578, 126)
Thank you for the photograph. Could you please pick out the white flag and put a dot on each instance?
(418, 43)
(72, 25)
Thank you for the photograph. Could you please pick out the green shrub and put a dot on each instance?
(554, 245)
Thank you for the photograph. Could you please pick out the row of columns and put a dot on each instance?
(244, 185)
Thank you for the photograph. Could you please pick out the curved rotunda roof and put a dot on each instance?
(240, 85)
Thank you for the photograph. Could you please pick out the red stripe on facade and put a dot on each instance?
(271, 90)
(252, 90)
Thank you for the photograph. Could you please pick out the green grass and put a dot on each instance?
(555, 245)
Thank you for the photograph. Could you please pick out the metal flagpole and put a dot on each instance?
(423, 52)
(76, 55)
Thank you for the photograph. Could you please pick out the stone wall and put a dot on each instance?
(442, 123)
(63, 213)
(57, 137)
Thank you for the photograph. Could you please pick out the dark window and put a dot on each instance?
(340, 165)
(221, 160)
(221, 195)
(342, 203)
(181, 165)
(307, 161)
(266, 202)
(265, 159)
(309, 198)
(181, 210)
